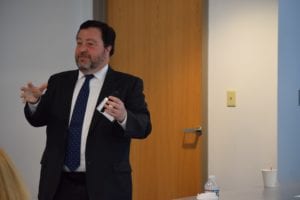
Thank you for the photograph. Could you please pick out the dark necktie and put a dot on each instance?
(72, 159)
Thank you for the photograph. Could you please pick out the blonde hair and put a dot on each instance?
(11, 185)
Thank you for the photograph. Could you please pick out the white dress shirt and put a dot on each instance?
(95, 88)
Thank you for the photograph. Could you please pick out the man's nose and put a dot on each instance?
(82, 48)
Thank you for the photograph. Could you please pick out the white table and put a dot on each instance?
(283, 192)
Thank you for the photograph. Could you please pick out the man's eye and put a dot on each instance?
(90, 44)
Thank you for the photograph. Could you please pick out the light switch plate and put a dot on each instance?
(231, 99)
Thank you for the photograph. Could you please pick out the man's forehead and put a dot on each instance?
(92, 33)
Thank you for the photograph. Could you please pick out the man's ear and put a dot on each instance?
(108, 49)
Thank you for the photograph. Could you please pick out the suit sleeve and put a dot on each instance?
(138, 116)
(40, 116)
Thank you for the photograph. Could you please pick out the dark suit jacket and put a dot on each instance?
(108, 171)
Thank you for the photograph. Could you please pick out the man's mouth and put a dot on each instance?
(83, 58)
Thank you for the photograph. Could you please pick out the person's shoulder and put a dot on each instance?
(64, 75)
(124, 75)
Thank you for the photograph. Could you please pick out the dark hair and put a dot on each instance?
(108, 33)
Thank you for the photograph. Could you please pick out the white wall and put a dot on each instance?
(242, 57)
(37, 39)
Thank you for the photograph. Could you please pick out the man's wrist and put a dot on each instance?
(123, 122)
(36, 102)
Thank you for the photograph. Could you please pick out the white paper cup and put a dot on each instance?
(269, 177)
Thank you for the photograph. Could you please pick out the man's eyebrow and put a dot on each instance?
(88, 40)
(91, 40)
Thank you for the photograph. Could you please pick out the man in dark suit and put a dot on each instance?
(115, 111)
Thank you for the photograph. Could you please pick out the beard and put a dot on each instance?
(85, 62)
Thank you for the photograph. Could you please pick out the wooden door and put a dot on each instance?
(160, 41)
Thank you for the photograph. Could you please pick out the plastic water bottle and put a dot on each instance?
(211, 185)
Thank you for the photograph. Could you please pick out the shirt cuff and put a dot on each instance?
(33, 106)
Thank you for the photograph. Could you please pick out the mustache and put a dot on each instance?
(83, 55)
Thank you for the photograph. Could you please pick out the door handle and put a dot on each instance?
(197, 130)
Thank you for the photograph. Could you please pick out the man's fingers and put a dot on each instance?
(43, 87)
(29, 92)
(34, 89)
(23, 88)
(114, 99)
(30, 85)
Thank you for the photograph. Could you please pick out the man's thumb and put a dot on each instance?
(43, 87)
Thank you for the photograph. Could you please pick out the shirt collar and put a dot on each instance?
(99, 74)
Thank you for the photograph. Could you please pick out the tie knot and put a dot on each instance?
(89, 77)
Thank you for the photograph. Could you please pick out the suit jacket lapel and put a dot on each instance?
(107, 89)
(68, 89)
(107, 86)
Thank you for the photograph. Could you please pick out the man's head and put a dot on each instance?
(95, 44)
(108, 33)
